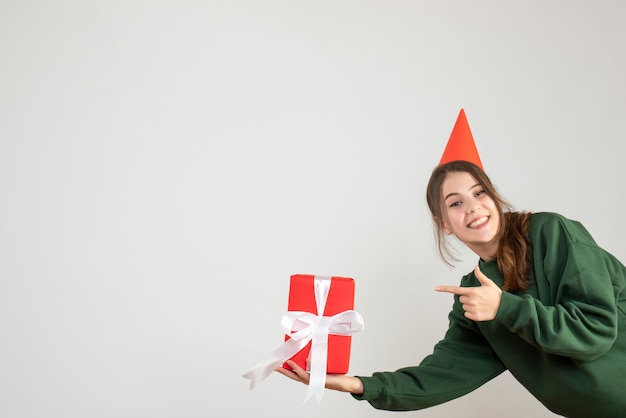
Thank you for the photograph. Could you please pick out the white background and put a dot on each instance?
(165, 166)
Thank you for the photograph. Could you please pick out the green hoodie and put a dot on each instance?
(564, 339)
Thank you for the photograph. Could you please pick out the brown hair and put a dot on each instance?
(513, 256)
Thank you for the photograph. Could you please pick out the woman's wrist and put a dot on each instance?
(356, 386)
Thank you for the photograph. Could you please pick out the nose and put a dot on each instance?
(471, 207)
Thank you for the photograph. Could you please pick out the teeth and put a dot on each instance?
(478, 222)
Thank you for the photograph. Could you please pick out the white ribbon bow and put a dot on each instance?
(303, 327)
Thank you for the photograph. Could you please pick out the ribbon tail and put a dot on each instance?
(319, 360)
(283, 353)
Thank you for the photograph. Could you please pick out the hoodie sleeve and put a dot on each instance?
(460, 363)
(581, 319)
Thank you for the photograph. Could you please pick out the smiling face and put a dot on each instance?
(470, 214)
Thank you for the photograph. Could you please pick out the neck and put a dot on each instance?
(486, 253)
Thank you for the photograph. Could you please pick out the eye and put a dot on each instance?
(455, 204)
(480, 193)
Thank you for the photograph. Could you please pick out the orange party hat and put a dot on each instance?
(461, 144)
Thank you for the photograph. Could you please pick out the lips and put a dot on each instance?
(478, 222)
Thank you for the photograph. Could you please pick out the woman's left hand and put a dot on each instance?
(480, 303)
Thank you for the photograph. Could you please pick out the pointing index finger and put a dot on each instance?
(457, 290)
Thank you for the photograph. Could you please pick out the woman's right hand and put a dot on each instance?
(339, 382)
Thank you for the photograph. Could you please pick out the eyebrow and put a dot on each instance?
(454, 193)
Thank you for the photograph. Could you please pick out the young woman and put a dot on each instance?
(544, 302)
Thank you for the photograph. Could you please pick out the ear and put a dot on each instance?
(442, 225)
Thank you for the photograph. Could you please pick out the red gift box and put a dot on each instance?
(340, 299)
